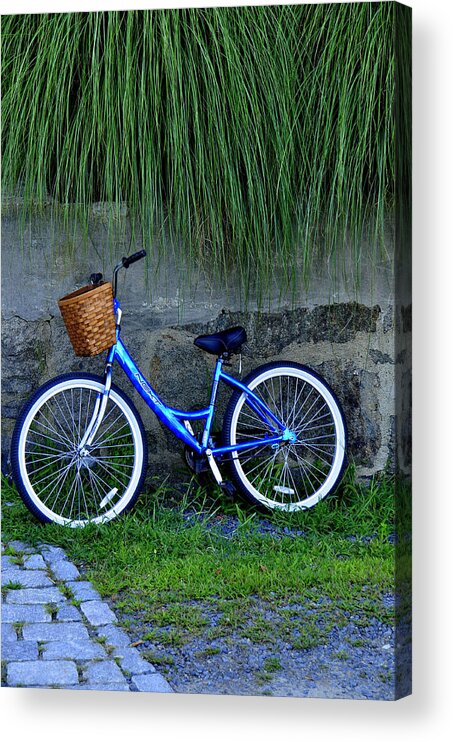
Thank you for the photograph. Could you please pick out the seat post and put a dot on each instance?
(216, 379)
(215, 384)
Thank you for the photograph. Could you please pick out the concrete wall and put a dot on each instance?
(343, 329)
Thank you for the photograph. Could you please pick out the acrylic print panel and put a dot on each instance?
(231, 515)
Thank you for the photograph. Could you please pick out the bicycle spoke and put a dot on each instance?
(46, 465)
(79, 417)
(38, 455)
(112, 471)
(57, 403)
(304, 441)
(260, 463)
(49, 476)
(309, 425)
(304, 482)
(101, 482)
(87, 414)
(112, 445)
(296, 400)
(59, 441)
(94, 485)
(315, 448)
(58, 483)
(65, 433)
(71, 412)
(257, 420)
(318, 427)
(114, 458)
(272, 397)
(312, 467)
(59, 438)
(267, 470)
(100, 443)
(72, 486)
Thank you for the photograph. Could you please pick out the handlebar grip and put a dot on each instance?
(133, 258)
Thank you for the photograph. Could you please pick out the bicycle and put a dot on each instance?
(79, 451)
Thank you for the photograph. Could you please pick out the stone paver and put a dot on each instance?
(52, 553)
(97, 613)
(76, 650)
(48, 641)
(153, 683)
(52, 673)
(9, 563)
(67, 613)
(55, 632)
(64, 570)
(115, 636)
(35, 595)
(24, 613)
(20, 546)
(35, 561)
(16, 650)
(32, 578)
(83, 590)
(8, 633)
(131, 661)
(103, 672)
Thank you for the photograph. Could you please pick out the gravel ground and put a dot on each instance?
(354, 662)
(354, 659)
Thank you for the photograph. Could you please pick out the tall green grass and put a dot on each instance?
(248, 135)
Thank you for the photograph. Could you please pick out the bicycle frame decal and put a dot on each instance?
(173, 419)
(146, 387)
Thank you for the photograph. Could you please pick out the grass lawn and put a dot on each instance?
(176, 554)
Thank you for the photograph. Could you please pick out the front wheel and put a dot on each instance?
(297, 473)
(57, 481)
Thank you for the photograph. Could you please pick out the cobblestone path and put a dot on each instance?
(58, 633)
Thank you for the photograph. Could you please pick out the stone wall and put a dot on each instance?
(343, 330)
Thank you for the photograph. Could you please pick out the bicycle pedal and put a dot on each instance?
(228, 489)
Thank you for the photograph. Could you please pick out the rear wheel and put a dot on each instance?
(293, 475)
(56, 481)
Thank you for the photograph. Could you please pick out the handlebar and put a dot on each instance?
(96, 278)
(133, 258)
(125, 263)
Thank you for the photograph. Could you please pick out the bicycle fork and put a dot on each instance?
(98, 413)
(84, 447)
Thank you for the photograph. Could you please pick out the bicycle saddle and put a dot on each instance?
(225, 341)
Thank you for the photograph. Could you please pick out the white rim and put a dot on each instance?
(138, 452)
(338, 459)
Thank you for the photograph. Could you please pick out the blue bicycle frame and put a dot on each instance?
(174, 419)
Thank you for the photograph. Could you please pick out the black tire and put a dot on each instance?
(46, 436)
(294, 475)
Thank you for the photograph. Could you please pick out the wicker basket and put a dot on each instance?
(89, 319)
